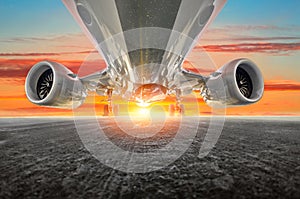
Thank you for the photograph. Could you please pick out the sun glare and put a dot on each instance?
(143, 104)
(143, 112)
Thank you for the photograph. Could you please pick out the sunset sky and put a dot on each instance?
(267, 32)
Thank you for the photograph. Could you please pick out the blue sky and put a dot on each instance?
(34, 18)
(254, 12)
(50, 17)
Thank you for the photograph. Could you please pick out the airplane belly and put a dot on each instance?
(143, 41)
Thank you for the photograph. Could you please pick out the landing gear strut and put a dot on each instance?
(176, 109)
(108, 109)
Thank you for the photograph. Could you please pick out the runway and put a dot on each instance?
(253, 158)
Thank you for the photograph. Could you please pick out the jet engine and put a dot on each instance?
(238, 82)
(52, 84)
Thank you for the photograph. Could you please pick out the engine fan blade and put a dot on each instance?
(244, 82)
(44, 84)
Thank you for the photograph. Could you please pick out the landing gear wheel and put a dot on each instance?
(106, 110)
(176, 110)
(110, 110)
(179, 109)
(171, 110)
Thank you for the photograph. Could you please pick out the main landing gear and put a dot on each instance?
(109, 109)
(176, 109)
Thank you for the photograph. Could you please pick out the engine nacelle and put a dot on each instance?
(52, 84)
(239, 82)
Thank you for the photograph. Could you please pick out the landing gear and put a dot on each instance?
(176, 109)
(109, 109)
(106, 110)
(171, 110)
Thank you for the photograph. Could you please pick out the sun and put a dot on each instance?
(143, 111)
(143, 104)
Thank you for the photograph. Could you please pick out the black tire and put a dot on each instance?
(105, 110)
(171, 110)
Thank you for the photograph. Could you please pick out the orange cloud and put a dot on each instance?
(46, 54)
(269, 48)
(282, 85)
(18, 68)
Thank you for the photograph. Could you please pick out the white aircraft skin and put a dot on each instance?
(144, 44)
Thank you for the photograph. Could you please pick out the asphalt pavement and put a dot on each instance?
(253, 158)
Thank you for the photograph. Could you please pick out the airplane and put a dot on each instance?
(144, 44)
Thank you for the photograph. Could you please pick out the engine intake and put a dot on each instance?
(239, 82)
(52, 84)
